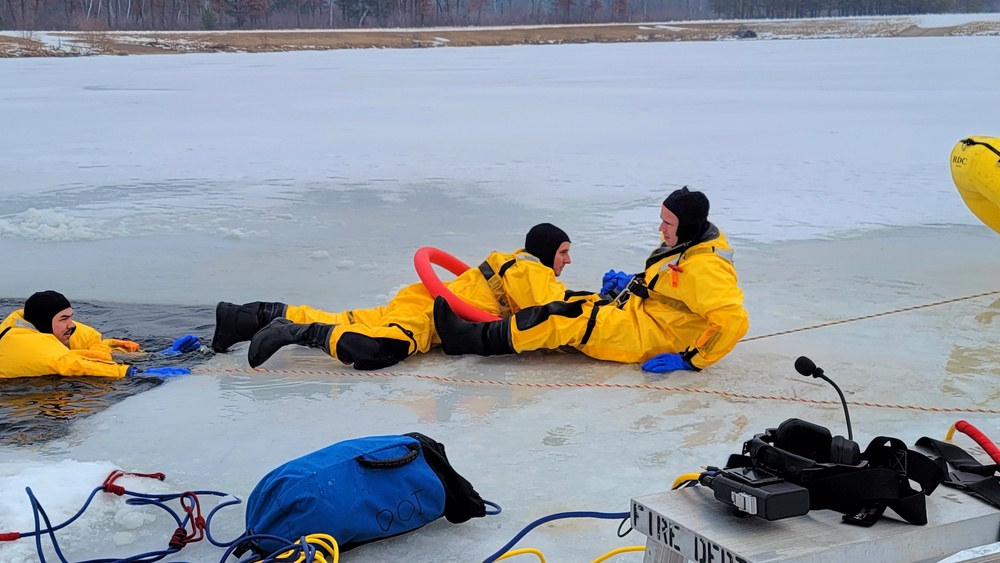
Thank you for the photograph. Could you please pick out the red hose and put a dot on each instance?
(988, 446)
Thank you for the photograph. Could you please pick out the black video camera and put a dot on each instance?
(756, 492)
(798, 466)
(767, 479)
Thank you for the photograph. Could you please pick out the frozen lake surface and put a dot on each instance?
(313, 177)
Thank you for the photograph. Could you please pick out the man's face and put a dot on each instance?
(668, 226)
(63, 326)
(561, 259)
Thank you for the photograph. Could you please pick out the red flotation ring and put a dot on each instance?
(423, 260)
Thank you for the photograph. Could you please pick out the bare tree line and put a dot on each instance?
(747, 9)
(99, 15)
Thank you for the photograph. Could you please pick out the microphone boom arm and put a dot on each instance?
(843, 401)
(808, 368)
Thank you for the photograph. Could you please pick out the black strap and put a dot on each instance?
(638, 285)
(5, 332)
(915, 466)
(864, 495)
(506, 266)
(591, 322)
(989, 147)
(969, 475)
(887, 484)
(652, 283)
(496, 285)
(486, 270)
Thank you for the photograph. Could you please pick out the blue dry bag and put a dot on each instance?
(360, 491)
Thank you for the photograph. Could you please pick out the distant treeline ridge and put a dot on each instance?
(102, 15)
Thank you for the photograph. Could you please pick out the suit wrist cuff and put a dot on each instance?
(688, 356)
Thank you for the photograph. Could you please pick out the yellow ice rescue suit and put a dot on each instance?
(502, 285)
(690, 305)
(26, 352)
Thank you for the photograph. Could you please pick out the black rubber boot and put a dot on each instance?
(459, 336)
(238, 323)
(282, 332)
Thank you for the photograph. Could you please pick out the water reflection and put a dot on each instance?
(978, 353)
(39, 409)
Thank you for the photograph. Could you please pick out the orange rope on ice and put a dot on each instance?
(592, 385)
(874, 315)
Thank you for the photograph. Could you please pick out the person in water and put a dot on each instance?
(383, 336)
(43, 338)
(683, 312)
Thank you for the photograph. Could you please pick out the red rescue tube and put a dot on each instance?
(423, 260)
(988, 446)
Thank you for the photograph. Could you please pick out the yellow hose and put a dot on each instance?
(614, 552)
(522, 551)
(950, 434)
(685, 478)
(320, 541)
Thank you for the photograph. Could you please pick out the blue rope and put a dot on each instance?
(208, 524)
(50, 530)
(141, 499)
(289, 551)
(250, 538)
(549, 518)
(79, 513)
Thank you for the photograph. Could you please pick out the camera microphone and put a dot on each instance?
(808, 368)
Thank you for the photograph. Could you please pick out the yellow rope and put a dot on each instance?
(598, 385)
(541, 558)
(320, 541)
(522, 551)
(614, 552)
(864, 317)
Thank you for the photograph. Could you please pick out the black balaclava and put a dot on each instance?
(543, 241)
(691, 209)
(42, 307)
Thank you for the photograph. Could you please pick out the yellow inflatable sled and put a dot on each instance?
(975, 168)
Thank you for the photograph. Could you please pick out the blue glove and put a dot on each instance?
(157, 372)
(666, 362)
(614, 281)
(183, 345)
